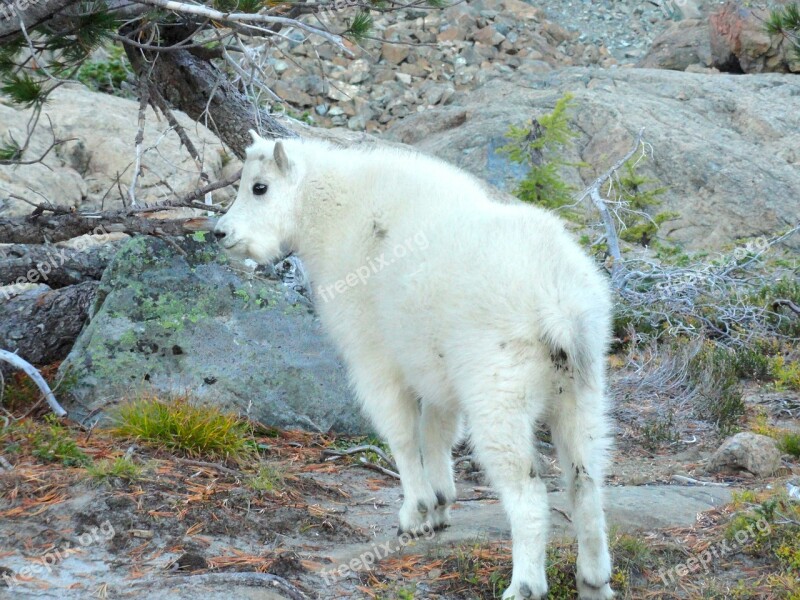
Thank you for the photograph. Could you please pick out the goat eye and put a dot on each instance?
(259, 189)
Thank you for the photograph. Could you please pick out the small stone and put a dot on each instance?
(450, 34)
(394, 53)
(358, 71)
(489, 36)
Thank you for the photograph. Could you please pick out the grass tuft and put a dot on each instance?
(178, 426)
(118, 468)
(269, 479)
(53, 443)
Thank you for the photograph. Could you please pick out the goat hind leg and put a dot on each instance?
(501, 427)
(580, 433)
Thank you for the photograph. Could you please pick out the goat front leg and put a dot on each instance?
(438, 429)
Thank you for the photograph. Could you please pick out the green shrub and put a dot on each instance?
(106, 75)
(639, 194)
(713, 371)
(269, 479)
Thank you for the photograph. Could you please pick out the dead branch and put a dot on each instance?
(210, 465)
(363, 462)
(593, 192)
(36, 377)
(247, 18)
(158, 101)
(57, 228)
(336, 454)
(144, 96)
(682, 479)
(787, 303)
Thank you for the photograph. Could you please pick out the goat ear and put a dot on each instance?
(279, 154)
(256, 138)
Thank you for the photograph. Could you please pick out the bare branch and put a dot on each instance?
(593, 192)
(144, 97)
(31, 372)
(215, 15)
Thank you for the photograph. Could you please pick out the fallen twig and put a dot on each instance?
(210, 465)
(31, 372)
(363, 462)
(787, 303)
(335, 454)
(562, 513)
(689, 481)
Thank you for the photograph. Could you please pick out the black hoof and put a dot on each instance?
(525, 591)
(440, 499)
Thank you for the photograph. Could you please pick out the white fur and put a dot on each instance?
(498, 320)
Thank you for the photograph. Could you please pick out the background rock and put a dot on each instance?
(685, 43)
(83, 173)
(169, 323)
(725, 146)
(739, 43)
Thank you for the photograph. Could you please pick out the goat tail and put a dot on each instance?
(571, 335)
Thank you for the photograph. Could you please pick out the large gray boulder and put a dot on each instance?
(725, 145)
(174, 322)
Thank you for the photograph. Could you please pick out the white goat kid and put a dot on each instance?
(491, 312)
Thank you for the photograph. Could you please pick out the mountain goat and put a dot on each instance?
(448, 307)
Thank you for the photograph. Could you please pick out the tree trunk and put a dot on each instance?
(57, 267)
(41, 327)
(187, 82)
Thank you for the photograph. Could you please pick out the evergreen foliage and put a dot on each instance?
(539, 146)
(785, 21)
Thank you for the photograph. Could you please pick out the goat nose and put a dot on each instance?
(219, 234)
